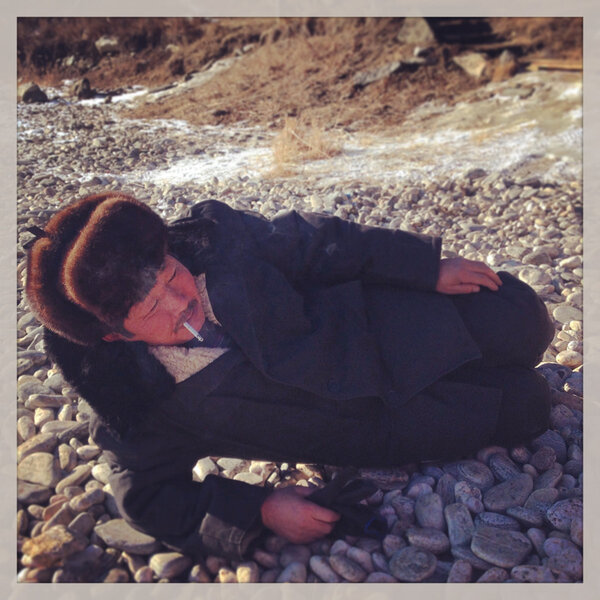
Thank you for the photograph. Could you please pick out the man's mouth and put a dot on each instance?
(188, 314)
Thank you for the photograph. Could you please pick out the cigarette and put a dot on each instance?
(193, 332)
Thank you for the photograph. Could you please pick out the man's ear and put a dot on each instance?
(113, 337)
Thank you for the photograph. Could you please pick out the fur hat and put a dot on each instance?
(96, 259)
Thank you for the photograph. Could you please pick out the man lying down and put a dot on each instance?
(306, 338)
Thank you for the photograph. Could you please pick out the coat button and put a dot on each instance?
(333, 386)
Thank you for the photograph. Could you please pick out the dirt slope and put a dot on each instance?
(317, 69)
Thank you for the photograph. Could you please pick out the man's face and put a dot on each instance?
(158, 318)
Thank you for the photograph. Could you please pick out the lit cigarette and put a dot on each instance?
(193, 332)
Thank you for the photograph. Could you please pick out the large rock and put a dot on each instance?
(52, 546)
(500, 547)
(42, 442)
(509, 493)
(415, 30)
(118, 534)
(41, 468)
(473, 63)
(33, 94)
(107, 45)
(412, 564)
(169, 564)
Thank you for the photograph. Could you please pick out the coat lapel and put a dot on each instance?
(230, 304)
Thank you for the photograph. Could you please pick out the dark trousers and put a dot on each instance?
(512, 329)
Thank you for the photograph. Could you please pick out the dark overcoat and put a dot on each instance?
(341, 341)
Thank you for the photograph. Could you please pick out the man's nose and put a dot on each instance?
(174, 300)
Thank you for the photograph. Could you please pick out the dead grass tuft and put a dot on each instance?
(301, 141)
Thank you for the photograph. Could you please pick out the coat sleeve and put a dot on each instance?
(155, 493)
(326, 249)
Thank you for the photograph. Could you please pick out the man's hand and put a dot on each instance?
(300, 521)
(462, 276)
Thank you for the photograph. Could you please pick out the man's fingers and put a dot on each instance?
(481, 267)
(319, 513)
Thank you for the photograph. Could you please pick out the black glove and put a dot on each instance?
(343, 494)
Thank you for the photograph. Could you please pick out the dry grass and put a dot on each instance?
(301, 141)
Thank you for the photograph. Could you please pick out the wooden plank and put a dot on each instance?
(521, 42)
(535, 64)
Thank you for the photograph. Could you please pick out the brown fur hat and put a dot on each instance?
(99, 257)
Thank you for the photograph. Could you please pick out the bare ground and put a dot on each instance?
(288, 67)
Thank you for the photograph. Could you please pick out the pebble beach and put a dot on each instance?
(503, 515)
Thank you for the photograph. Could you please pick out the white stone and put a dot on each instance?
(203, 468)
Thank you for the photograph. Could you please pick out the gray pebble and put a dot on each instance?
(492, 519)
(294, 553)
(380, 561)
(412, 564)
(42, 442)
(247, 572)
(541, 500)
(430, 539)
(39, 467)
(532, 574)
(461, 572)
(509, 493)
(494, 575)
(169, 564)
(392, 543)
(564, 557)
(563, 512)
(347, 569)
(362, 558)
(459, 523)
(445, 488)
(526, 516)
(500, 547)
(118, 534)
(380, 577)
(320, 566)
(76, 477)
(550, 478)
(476, 473)
(429, 511)
(503, 467)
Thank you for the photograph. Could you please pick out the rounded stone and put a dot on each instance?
(460, 524)
(569, 358)
(321, 568)
(391, 543)
(526, 516)
(562, 513)
(564, 557)
(347, 569)
(509, 493)
(362, 558)
(576, 531)
(116, 533)
(461, 572)
(564, 313)
(549, 478)
(429, 539)
(247, 572)
(39, 467)
(412, 564)
(541, 500)
(503, 467)
(476, 473)
(492, 519)
(493, 575)
(294, 553)
(500, 547)
(532, 574)
(429, 511)
(380, 577)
